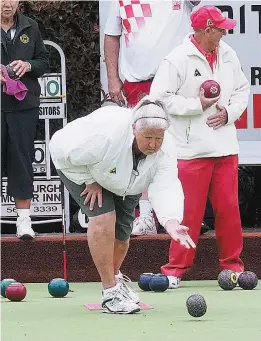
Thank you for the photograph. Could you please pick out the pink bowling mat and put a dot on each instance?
(97, 306)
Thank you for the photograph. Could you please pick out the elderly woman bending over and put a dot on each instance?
(106, 160)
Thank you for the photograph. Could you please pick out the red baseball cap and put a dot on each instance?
(211, 16)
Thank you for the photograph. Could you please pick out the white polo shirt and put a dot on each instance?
(149, 30)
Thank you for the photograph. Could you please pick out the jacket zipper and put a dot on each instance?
(188, 131)
(134, 174)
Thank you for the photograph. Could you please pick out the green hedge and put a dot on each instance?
(74, 26)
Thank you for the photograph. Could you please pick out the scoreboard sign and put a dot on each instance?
(52, 104)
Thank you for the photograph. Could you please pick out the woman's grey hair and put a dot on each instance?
(150, 113)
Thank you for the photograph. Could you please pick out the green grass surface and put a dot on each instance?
(231, 315)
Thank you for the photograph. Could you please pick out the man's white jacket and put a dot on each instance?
(177, 83)
(98, 148)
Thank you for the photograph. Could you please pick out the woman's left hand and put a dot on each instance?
(92, 192)
(20, 67)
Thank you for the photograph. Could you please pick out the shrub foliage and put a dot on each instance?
(74, 26)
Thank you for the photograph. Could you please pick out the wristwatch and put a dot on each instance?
(30, 66)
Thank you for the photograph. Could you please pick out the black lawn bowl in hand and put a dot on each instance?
(227, 280)
(144, 280)
(58, 287)
(11, 72)
(196, 305)
(159, 283)
(247, 280)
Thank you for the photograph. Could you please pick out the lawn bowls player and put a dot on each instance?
(106, 160)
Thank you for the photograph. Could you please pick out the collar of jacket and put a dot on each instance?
(191, 49)
(22, 23)
(14, 26)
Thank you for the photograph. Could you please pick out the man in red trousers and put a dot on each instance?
(205, 135)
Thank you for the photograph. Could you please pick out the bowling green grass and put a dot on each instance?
(231, 315)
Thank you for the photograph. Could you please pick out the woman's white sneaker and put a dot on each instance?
(24, 228)
(120, 278)
(116, 301)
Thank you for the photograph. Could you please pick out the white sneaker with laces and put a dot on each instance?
(24, 228)
(123, 279)
(144, 226)
(174, 282)
(116, 301)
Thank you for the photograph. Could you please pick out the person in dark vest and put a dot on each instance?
(24, 58)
